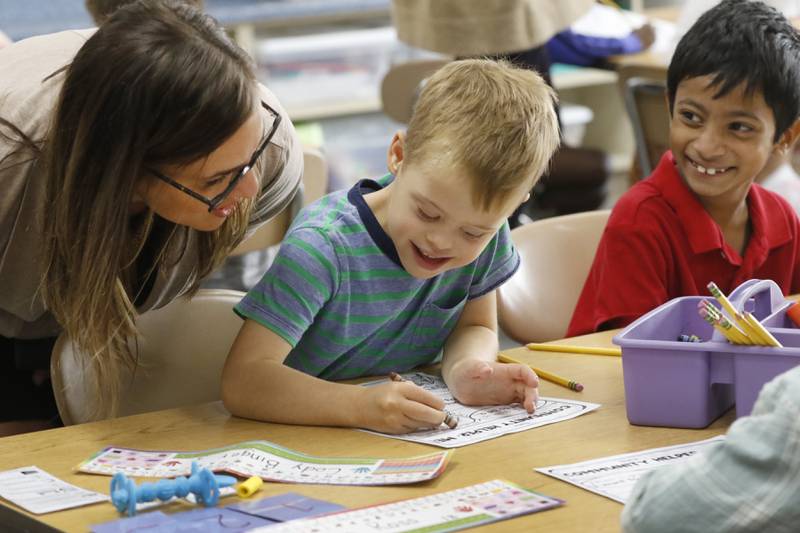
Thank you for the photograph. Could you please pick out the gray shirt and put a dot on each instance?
(27, 98)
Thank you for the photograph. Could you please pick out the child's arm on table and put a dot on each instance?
(470, 367)
(256, 384)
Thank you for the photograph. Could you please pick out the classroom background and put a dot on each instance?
(335, 65)
(347, 82)
(326, 59)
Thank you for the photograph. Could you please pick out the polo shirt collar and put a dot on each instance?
(356, 197)
(770, 226)
(703, 233)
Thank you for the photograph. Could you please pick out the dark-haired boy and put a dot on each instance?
(734, 98)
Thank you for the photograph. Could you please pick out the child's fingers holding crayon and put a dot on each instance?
(400, 408)
(450, 420)
(422, 416)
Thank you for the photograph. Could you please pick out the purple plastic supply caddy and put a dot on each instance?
(690, 384)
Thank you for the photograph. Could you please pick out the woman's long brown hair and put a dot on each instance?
(159, 83)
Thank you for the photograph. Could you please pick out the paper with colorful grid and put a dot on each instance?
(270, 462)
(463, 508)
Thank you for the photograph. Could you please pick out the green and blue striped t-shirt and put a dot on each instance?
(337, 292)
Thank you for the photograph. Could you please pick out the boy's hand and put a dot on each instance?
(474, 381)
(400, 407)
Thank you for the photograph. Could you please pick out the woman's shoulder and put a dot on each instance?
(282, 168)
(285, 134)
(29, 64)
(32, 78)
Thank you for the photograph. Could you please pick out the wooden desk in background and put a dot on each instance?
(649, 62)
(601, 433)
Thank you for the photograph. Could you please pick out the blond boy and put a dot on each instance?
(386, 276)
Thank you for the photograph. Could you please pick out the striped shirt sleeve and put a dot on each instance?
(303, 277)
(498, 262)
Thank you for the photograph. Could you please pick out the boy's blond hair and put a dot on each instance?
(494, 120)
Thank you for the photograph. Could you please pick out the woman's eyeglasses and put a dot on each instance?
(216, 200)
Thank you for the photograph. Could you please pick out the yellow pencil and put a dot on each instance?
(752, 332)
(768, 338)
(727, 333)
(728, 307)
(586, 350)
(721, 298)
(713, 316)
(745, 337)
(743, 324)
(558, 380)
(741, 337)
(544, 374)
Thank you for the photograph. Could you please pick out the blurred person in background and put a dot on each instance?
(517, 31)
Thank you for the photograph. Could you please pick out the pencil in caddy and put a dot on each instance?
(690, 384)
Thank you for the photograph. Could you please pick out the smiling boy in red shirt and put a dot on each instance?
(734, 99)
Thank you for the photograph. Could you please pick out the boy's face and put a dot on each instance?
(721, 144)
(432, 220)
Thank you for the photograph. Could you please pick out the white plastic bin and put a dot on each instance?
(329, 69)
(574, 119)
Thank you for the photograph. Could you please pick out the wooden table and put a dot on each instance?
(652, 61)
(649, 60)
(512, 457)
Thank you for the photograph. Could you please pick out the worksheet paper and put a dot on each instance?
(471, 506)
(476, 424)
(38, 492)
(615, 476)
(270, 462)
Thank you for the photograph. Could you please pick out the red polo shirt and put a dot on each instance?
(660, 243)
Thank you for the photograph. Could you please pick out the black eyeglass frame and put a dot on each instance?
(216, 200)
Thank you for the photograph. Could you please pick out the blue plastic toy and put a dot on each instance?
(203, 483)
